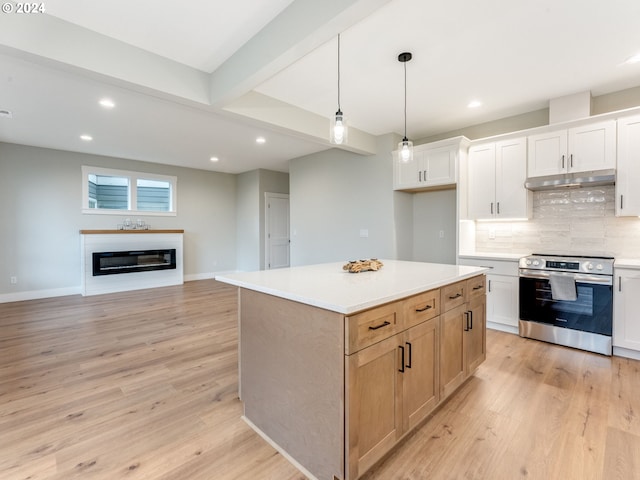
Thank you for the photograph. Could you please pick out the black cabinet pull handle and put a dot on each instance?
(478, 287)
(621, 202)
(471, 319)
(401, 369)
(423, 309)
(498, 208)
(562, 161)
(409, 364)
(457, 295)
(466, 318)
(571, 157)
(384, 324)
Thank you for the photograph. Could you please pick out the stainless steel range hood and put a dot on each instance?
(592, 178)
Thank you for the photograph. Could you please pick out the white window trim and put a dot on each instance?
(133, 177)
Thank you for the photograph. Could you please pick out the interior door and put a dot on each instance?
(277, 245)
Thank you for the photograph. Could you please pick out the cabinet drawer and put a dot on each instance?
(372, 326)
(453, 295)
(476, 287)
(422, 307)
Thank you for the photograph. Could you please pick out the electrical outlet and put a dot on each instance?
(492, 234)
(441, 234)
(14, 280)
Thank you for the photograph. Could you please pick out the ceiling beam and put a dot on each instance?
(295, 121)
(302, 27)
(55, 42)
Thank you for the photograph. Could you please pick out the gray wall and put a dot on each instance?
(40, 202)
(336, 194)
(251, 219)
(248, 227)
(434, 212)
(270, 182)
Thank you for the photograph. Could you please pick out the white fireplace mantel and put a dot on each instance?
(126, 240)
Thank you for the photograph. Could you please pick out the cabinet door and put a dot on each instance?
(626, 321)
(420, 383)
(438, 166)
(475, 335)
(502, 300)
(592, 147)
(547, 153)
(452, 370)
(512, 199)
(374, 411)
(482, 181)
(628, 174)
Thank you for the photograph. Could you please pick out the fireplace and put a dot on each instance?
(113, 263)
(105, 254)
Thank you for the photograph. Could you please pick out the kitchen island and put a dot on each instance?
(336, 368)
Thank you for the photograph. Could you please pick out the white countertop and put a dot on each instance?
(330, 287)
(627, 263)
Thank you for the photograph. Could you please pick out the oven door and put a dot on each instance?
(592, 311)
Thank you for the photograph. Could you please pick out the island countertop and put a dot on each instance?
(330, 287)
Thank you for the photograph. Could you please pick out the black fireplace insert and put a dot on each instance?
(112, 263)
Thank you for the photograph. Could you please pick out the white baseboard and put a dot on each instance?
(626, 353)
(37, 294)
(199, 276)
(502, 327)
(62, 292)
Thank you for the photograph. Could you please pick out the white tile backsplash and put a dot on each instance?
(573, 221)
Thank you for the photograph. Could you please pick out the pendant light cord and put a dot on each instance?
(405, 99)
(339, 109)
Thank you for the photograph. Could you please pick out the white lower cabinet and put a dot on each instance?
(502, 300)
(502, 291)
(626, 310)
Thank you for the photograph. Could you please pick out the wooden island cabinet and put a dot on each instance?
(335, 380)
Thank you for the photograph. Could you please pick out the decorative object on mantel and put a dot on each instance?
(357, 266)
(129, 225)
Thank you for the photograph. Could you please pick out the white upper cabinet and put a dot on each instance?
(497, 173)
(628, 170)
(433, 165)
(577, 149)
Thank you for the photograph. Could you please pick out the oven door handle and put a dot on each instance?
(579, 277)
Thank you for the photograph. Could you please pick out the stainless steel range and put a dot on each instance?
(567, 300)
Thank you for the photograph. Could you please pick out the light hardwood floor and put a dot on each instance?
(143, 385)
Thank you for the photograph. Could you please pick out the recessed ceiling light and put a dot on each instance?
(107, 103)
(633, 59)
(86, 138)
(474, 104)
(261, 140)
(214, 159)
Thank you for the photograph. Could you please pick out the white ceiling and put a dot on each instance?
(205, 78)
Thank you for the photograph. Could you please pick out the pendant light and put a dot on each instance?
(405, 147)
(338, 132)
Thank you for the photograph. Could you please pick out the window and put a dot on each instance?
(107, 191)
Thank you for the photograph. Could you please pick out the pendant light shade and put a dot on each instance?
(338, 128)
(405, 147)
